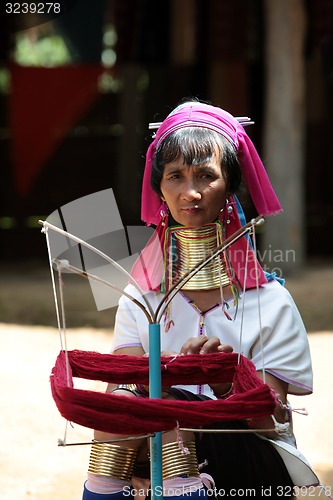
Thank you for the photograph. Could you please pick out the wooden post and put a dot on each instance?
(284, 127)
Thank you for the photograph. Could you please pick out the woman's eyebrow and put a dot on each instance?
(173, 170)
(203, 167)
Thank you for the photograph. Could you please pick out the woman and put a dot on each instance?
(194, 167)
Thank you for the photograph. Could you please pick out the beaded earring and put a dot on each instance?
(164, 213)
(227, 209)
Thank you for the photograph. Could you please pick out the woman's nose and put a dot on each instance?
(191, 192)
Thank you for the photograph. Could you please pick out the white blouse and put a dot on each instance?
(282, 349)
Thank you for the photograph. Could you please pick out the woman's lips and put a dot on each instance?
(191, 210)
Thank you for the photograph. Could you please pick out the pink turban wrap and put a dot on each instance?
(147, 269)
(193, 114)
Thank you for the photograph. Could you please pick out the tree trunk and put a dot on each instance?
(284, 132)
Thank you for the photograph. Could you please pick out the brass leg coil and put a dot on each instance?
(111, 460)
(175, 463)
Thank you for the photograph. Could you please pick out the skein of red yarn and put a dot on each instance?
(119, 414)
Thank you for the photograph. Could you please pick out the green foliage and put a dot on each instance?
(47, 51)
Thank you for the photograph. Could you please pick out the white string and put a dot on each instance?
(61, 320)
(224, 431)
(64, 328)
(92, 277)
(63, 442)
(189, 429)
(60, 326)
(220, 272)
(280, 428)
(118, 440)
(45, 230)
(243, 304)
(104, 256)
(300, 411)
(254, 241)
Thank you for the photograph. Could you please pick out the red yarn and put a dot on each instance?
(123, 415)
(190, 369)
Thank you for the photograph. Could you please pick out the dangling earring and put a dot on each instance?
(228, 210)
(164, 213)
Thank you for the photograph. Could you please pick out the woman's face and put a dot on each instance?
(195, 194)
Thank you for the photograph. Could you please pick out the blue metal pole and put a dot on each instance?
(155, 391)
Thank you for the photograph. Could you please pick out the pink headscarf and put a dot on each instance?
(147, 269)
(193, 114)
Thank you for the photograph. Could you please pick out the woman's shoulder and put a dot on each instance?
(277, 302)
(277, 289)
(132, 291)
(274, 294)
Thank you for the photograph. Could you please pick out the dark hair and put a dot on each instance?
(196, 145)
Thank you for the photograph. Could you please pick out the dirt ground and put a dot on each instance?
(32, 464)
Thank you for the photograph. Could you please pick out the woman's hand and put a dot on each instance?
(204, 345)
